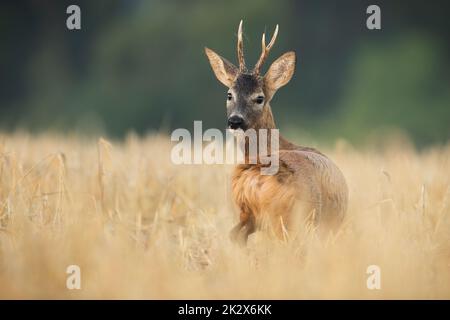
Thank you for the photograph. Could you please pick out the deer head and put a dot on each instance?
(249, 93)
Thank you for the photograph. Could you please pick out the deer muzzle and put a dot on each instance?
(236, 122)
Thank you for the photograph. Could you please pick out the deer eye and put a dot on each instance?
(229, 96)
(259, 99)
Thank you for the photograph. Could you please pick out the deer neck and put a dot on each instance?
(267, 122)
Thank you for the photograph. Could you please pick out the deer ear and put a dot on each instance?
(280, 72)
(224, 70)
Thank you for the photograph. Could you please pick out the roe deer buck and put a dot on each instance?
(307, 182)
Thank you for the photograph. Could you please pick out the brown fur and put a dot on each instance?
(307, 185)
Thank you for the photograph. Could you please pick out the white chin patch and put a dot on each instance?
(236, 132)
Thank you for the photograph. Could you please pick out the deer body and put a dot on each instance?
(307, 184)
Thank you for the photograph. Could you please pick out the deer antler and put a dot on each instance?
(265, 50)
(240, 50)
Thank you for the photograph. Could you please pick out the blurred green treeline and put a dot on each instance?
(139, 65)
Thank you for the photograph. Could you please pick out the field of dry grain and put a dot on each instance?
(140, 227)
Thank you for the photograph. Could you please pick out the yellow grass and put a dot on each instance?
(141, 227)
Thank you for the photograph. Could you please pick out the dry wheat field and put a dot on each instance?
(140, 227)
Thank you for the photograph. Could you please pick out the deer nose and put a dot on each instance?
(235, 122)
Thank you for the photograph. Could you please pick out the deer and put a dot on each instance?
(308, 185)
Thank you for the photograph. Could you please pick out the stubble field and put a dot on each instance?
(139, 226)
